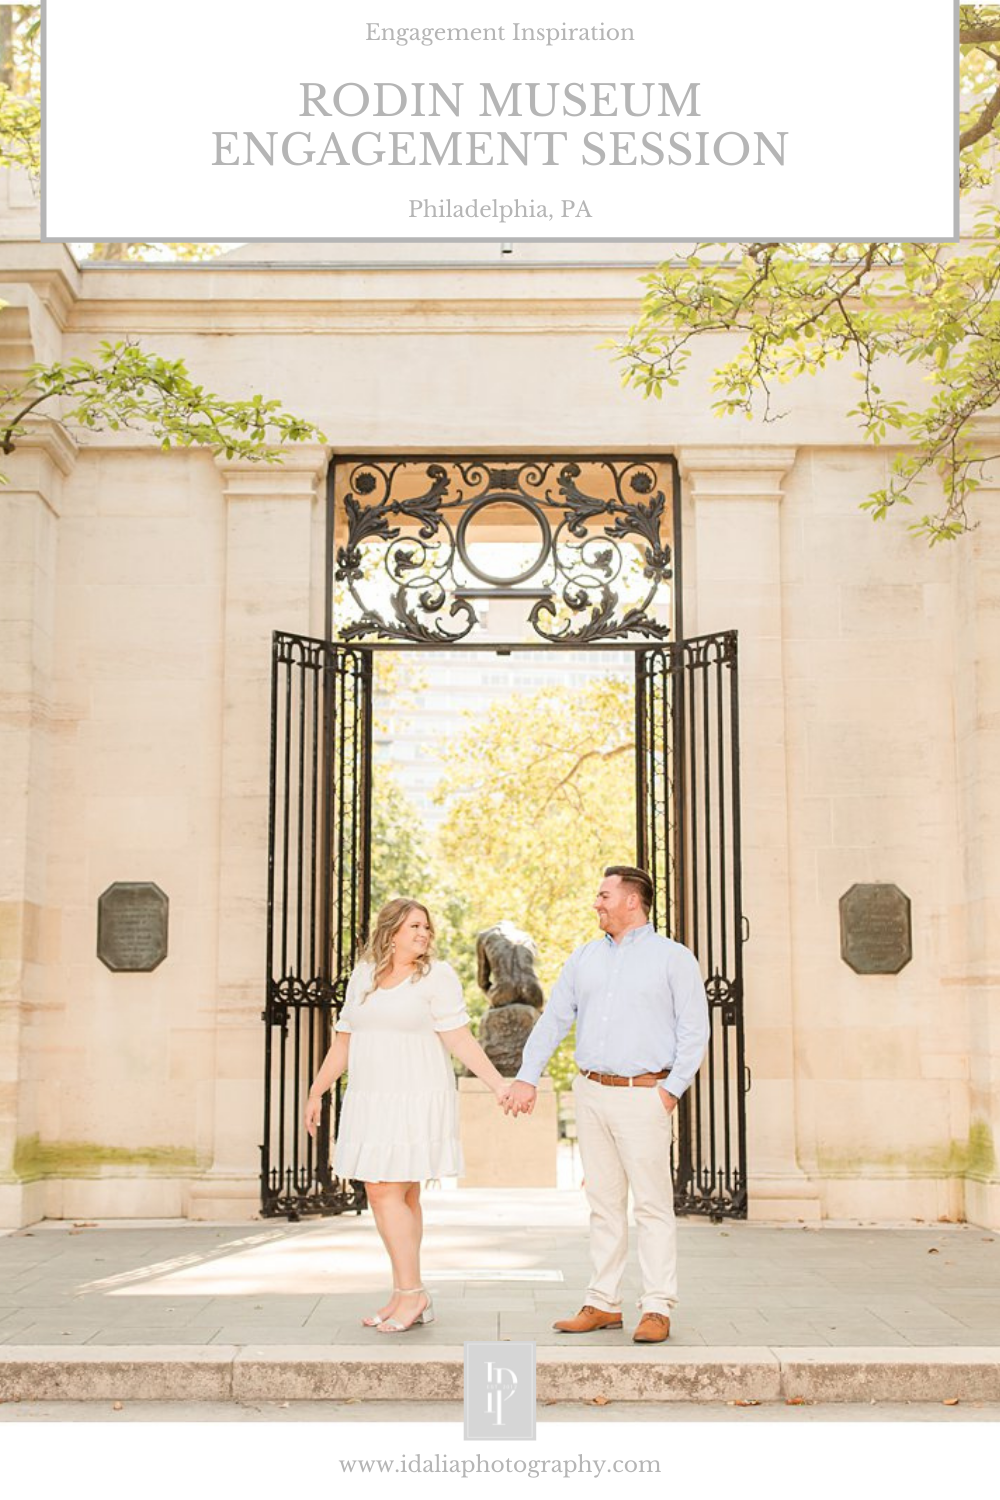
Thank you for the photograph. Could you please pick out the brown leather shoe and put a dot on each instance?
(654, 1328)
(589, 1320)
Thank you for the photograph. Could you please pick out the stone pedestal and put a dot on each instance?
(504, 1152)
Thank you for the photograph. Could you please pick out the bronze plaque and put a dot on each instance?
(132, 926)
(875, 934)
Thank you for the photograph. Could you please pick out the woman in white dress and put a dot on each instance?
(404, 1013)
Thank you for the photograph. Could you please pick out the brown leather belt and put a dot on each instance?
(640, 1081)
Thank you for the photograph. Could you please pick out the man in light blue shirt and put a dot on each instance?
(642, 1028)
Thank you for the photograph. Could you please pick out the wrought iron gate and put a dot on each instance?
(688, 808)
(317, 903)
(405, 524)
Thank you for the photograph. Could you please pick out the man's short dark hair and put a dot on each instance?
(637, 880)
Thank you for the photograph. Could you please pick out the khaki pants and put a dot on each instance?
(625, 1136)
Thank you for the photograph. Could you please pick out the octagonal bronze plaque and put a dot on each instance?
(875, 933)
(132, 926)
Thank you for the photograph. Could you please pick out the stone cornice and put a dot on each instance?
(42, 457)
(52, 438)
(986, 428)
(49, 270)
(737, 472)
(297, 477)
(428, 313)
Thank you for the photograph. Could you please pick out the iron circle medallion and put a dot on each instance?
(487, 502)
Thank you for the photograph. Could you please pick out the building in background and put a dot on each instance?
(451, 692)
(140, 591)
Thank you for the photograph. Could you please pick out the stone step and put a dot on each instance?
(299, 1373)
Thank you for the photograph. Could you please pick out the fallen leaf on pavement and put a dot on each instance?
(746, 1403)
(932, 1251)
(795, 1400)
(950, 1401)
(117, 1406)
(600, 1401)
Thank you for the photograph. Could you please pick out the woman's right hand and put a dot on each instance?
(314, 1108)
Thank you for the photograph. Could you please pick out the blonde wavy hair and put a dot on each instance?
(378, 949)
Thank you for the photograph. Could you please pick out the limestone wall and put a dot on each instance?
(139, 593)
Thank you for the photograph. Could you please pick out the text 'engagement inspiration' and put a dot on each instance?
(345, 145)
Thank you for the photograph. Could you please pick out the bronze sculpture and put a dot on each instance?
(505, 958)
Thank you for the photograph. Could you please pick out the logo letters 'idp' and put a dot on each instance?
(500, 1391)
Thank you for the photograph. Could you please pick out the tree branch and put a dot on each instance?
(974, 36)
(984, 124)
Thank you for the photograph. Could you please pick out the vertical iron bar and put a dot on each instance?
(710, 923)
(324, 986)
(329, 540)
(694, 897)
(313, 992)
(655, 793)
(352, 872)
(295, 1124)
(641, 773)
(285, 971)
(286, 819)
(678, 573)
(678, 701)
(740, 1202)
(339, 772)
(675, 684)
(265, 1166)
(365, 762)
(726, 969)
(652, 788)
(665, 779)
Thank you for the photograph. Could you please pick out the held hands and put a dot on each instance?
(518, 1098)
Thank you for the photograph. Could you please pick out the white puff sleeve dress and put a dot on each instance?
(399, 1120)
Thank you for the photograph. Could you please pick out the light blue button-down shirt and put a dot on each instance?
(639, 1006)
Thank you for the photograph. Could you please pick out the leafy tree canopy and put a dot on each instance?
(798, 307)
(126, 387)
(540, 797)
(400, 863)
(20, 116)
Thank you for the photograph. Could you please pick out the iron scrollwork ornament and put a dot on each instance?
(602, 555)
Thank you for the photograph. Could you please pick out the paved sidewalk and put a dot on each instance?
(271, 1310)
(499, 1265)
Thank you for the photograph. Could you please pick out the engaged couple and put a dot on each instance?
(641, 1032)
